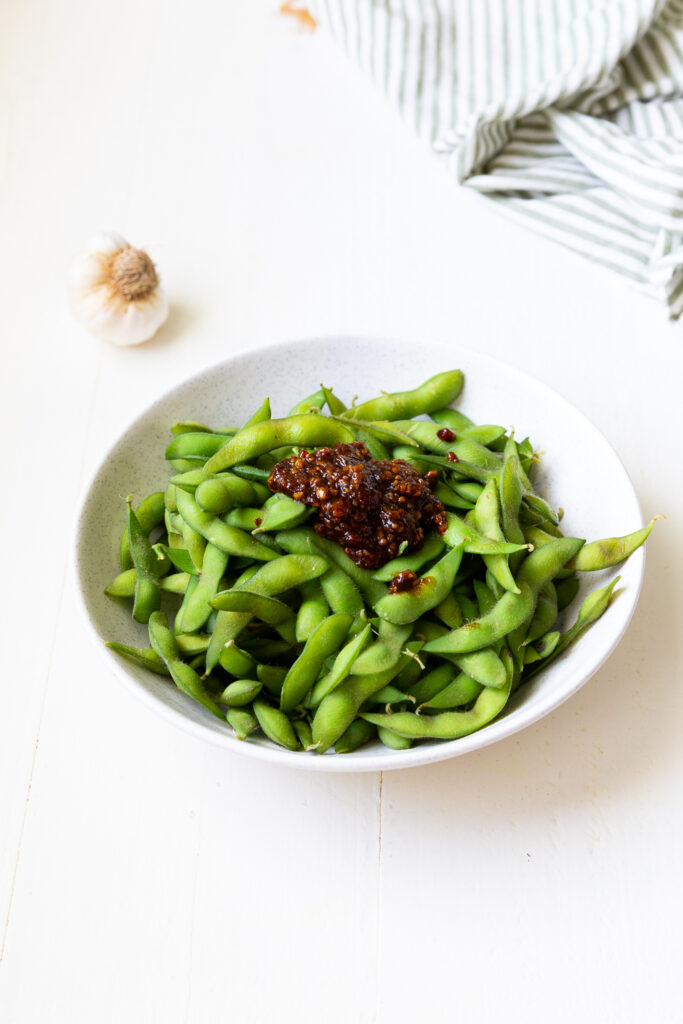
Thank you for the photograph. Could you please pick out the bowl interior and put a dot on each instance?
(580, 472)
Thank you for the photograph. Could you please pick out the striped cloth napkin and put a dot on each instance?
(567, 113)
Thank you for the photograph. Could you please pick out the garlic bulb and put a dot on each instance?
(115, 291)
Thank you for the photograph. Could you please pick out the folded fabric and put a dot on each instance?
(567, 113)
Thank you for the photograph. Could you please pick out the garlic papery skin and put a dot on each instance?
(114, 290)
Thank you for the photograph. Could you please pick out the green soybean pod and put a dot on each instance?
(385, 651)
(341, 667)
(228, 538)
(307, 431)
(213, 496)
(278, 576)
(143, 656)
(432, 547)
(449, 498)
(603, 554)
(238, 490)
(245, 518)
(122, 585)
(260, 416)
(484, 666)
(186, 679)
(235, 661)
(431, 683)
(272, 677)
(593, 606)
(440, 390)
(302, 728)
(169, 499)
(273, 578)
(240, 693)
(541, 648)
(195, 611)
(355, 736)
(341, 593)
(449, 611)
(195, 544)
(281, 512)
(485, 596)
(487, 518)
(312, 610)
(471, 452)
(458, 531)
(545, 614)
(338, 709)
(243, 721)
(255, 474)
(392, 740)
(192, 643)
(333, 403)
(512, 610)
(179, 625)
(407, 607)
(566, 591)
(377, 448)
(461, 690)
(267, 609)
(452, 418)
(276, 725)
(326, 640)
(176, 583)
(308, 404)
(448, 725)
(147, 597)
(469, 490)
(150, 513)
(195, 446)
(487, 433)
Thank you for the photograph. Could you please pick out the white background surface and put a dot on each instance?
(145, 877)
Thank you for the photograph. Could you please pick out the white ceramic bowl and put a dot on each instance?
(580, 472)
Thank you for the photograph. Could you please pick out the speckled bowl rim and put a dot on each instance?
(386, 760)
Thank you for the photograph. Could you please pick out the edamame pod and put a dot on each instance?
(326, 640)
(186, 679)
(341, 668)
(538, 568)
(448, 725)
(304, 431)
(276, 725)
(150, 513)
(432, 547)
(228, 538)
(240, 693)
(603, 554)
(339, 708)
(312, 610)
(385, 651)
(440, 390)
(147, 597)
(357, 735)
(408, 606)
(243, 721)
(474, 543)
(281, 512)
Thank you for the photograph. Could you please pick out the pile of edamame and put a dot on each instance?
(272, 628)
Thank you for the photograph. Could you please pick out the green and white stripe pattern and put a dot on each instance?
(567, 113)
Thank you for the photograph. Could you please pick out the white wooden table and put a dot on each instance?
(145, 877)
